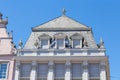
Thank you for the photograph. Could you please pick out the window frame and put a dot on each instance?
(6, 76)
(48, 43)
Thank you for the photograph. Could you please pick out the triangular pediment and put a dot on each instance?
(62, 23)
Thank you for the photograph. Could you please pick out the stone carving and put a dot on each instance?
(101, 44)
(102, 65)
(68, 65)
(36, 44)
(85, 65)
(17, 65)
(34, 64)
(13, 48)
(85, 43)
(20, 44)
(51, 65)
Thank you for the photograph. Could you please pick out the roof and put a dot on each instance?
(61, 23)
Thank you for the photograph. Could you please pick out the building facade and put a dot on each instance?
(7, 51)
(61, 49)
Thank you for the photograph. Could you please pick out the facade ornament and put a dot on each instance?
(101, 44)
(13, 48)
(51, 65)
(68, 65)
(5, 22)
(85, 43)
(17, 65)
(34, 64)
(1, 16)
(20, 44)
(36, 44)
(85, 65)
(102, 65)
(63, 12)
(11, 34)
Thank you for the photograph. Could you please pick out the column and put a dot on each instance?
(103, 71)
(85, 75)
(17, 70)
(68, 70)
(33, 71)
(50, 70)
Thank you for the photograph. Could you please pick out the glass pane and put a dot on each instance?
(76, 70)
(3, 70)
(25, 70)
(59, 70)
(94, 70)
(44, 44)
(42, 70)
(76, 43)
(60, 43)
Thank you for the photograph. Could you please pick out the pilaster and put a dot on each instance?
(50, 70)
(103, 71)
(17, 70)
(68, 70)
(85, 75)
(33, 71)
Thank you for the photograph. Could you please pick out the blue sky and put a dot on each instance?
(102, 15)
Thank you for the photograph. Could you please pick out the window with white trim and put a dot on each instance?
(42, 70)
(3, 70)
(44, 44)
(94, 70)
(25, 70)
(76, 71)
(59, 71)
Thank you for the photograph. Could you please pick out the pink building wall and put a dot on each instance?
(7, 49)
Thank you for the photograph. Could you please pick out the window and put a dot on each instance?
(3, 70)
(44, 43)
(94, 70)
(25, 70)
(59, 71)
(42, 71)
(76, 71)
(76, 43)
(60, 43)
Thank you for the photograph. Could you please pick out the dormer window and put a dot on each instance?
(77, 43)
(60, 43)
(44, 41)
(76, 40)
(60, 40)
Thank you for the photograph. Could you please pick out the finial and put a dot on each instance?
(1, 15)
(20, 44)
(11, 34)
(63, 11)
(101, 44)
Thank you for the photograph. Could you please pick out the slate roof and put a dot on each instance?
(65, 25)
